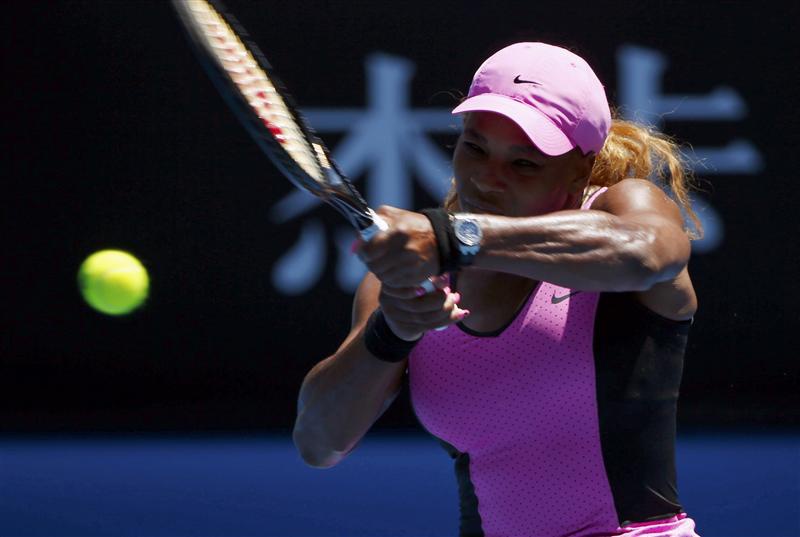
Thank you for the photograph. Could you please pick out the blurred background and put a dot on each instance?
(175, 420)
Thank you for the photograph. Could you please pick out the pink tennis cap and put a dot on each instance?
(551, 93)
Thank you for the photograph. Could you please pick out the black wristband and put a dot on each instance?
(384, 344)
(445, 239)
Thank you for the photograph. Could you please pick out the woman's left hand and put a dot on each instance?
(406, 253)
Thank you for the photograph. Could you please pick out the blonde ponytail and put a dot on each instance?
(635, 150)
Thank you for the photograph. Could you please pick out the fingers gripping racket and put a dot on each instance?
(249, 85)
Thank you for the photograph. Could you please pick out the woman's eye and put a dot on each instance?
(522, 163)
(475, 148)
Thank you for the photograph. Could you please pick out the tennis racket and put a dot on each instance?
(250, 86)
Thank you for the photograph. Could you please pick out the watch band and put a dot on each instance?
(445, 240)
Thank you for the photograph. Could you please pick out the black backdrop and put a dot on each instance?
(114, 137)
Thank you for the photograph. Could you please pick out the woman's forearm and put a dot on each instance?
(587, 250)
(340, 399)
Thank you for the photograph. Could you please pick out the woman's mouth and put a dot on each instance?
(475, 206)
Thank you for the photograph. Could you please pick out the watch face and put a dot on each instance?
(468, 232)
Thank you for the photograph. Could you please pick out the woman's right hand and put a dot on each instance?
(410, 315)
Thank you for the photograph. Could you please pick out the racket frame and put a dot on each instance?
(332, 185)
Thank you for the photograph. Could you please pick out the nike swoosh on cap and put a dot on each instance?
(557, 299)
(518, 80)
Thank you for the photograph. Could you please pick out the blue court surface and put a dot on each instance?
(732, 484)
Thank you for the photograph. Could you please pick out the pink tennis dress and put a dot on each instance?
(563, 422)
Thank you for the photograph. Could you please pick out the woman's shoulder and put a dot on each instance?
(633, 195)
(642, 201)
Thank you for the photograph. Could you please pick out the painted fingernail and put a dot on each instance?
(446, 290)
(464, 313)
(456, 298)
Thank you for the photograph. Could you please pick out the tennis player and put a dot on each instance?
(554, 382)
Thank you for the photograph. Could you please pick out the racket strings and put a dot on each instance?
(256, 87)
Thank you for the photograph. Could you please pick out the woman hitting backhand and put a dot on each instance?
(553, 376)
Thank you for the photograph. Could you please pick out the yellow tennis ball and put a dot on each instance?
(113, 282)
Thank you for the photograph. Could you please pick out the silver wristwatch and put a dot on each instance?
(468, 237)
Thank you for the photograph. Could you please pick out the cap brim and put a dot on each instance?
(544, 134)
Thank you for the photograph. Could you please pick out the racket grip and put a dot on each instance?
(378, 225)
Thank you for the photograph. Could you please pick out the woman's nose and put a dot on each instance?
(488, 179)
